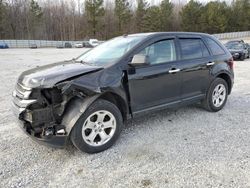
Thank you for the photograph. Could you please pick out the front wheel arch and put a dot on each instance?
(74, 110)
(77, 106)
(118, 101)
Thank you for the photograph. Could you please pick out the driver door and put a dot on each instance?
(158, 83)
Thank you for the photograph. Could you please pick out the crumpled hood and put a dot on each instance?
(49, 75)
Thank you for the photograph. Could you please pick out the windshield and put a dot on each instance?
(110, 51)
(236, 46)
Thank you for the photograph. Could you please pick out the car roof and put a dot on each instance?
(240, 41)
(167, 33)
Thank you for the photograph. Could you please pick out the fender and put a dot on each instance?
(74, 110)
(222, 70)
(222, 65)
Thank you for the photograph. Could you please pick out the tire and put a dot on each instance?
(242, 57)
(88, 133)
(209, 102)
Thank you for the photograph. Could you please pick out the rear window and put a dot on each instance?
(193, 49)
(215, 48)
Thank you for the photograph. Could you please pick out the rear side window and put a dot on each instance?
(193, 49)
(215, 48)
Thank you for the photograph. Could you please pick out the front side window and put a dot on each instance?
(160, 52)
(215, 48)
(193, 49)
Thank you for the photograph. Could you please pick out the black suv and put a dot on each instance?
(238, 49)
(87, 100)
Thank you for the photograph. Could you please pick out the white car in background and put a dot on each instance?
(94, 42)
(78, 45)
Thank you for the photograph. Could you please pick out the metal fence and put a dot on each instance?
(233, 35)
(38, 43)
(50, 43)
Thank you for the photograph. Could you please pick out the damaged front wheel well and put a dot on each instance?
(118, 101)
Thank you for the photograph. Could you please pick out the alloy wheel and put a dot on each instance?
(219, 95)
(99, 128)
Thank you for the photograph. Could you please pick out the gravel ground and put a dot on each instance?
(188, 147)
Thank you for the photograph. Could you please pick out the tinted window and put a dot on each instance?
(205, 51)
(215, 48)
(160, 52)
(236, 46)
(193, 48)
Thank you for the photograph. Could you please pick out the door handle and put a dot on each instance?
(210, 63)
(174, 71)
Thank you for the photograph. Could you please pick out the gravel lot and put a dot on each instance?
(189, 147)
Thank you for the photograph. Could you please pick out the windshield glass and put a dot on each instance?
(236, 46)
(110, 51)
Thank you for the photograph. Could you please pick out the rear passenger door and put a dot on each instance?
(195, 64)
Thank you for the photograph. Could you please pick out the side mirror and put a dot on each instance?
(139, 59)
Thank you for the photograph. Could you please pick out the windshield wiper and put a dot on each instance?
(84, 62)
(79, 61)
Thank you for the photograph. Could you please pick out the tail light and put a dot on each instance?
(231, 63)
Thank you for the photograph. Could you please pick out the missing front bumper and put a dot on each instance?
(55, 141)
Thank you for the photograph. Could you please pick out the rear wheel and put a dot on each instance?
(98, 127)
(216, 96)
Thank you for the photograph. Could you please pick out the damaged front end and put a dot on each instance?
(40, 113)
(48, 114)
(41, 97)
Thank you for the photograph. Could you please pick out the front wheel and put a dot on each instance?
(242, 57)
(216, 96)
(98, 127)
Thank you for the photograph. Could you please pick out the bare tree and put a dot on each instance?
(104, 19)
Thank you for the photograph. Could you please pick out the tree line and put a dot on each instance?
(77, 20)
